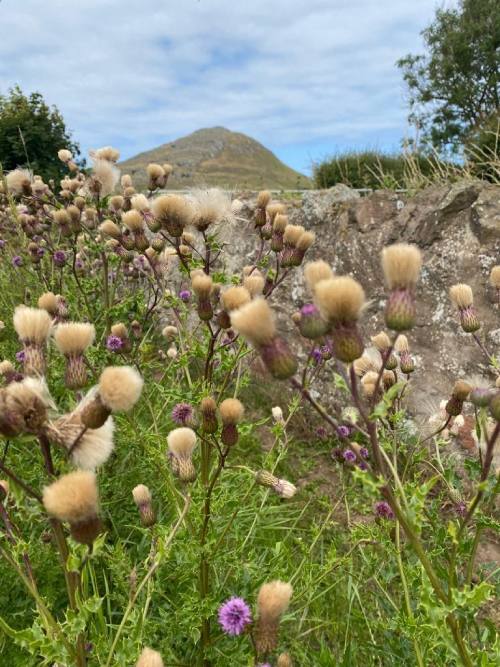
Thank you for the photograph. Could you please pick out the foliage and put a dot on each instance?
(369, 169)
(380, 539)
(31, 133)
(455, 85)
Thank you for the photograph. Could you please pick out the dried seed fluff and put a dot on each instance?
(316, 271)
(339, 299)
(495, 277)
(263, 198)
(141, 494)
(235, 297)
(401, 344)
(280, 222)
(149, 658)
(133, 220)
(74, 337)
(292, 234)
(73, 497)
(231, 411)
(254, 284)
(255, 321)
(461, 295)
(305, 240)
(202, 285)
(273, 600)
(401, 264)
(48, 301)
(182, 441)
(32, 324)
(120, 387)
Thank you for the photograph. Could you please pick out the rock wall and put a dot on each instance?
(457, 228)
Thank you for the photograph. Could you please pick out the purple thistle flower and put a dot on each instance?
(383, 510)
(234, 616)
(21, 356)
(309, 309)
(114, 343)
(182, 413)
(78, 264)
(59, 258)
(362, 465)
(17, 261)
(461, 508)
(40, 252)
(343, 431)
(2, 243)
(337, 454)
(185, 295)
(364, 453)
(349, 456)
(317, 355)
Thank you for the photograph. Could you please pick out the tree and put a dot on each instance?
(31, 133)
(454, 88)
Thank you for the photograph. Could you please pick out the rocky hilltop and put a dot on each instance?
(458, 229)
(217, 157)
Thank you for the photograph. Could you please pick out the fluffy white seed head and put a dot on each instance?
(149, 658)
(141, 494)
(495, 277)
(255, 321)
(182, 441)
(381, 341)
(210, 206)
(107, 175)
(48, 301)
(254, 283)
(273, 600)
(235, 297)
(461, 295)
(231, 411)
(120, 387)
(401, 265)
(133, 220)
(74, 337)
(73, 497)
(401, 344)
(64, 155)
(17, 179)
(305, 240)
(339, 299)
(316, 271)
(32, 324)
(292, 234)
(140, 202)
(202, 285)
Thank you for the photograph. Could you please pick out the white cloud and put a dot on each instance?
(287, 72)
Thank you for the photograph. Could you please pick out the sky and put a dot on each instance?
(304, 77)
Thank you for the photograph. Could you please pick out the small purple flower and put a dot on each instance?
(40, 252)
(383, 510)
(234, 616)
(78, 264)
(2, 243)
(309, 309)
(17, 261)
(349, 456)
(185, 295)
(343, 431)
(182, 413)
(461, 508)
(362, 465)
(21, 356)
(317, 355)
(59, 258)
(364, 453)
(114, 343)
(337, 454)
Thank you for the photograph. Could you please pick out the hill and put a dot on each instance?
(217, 157)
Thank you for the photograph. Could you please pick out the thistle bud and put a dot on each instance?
(208, 409)
(340, 301)
(462, 297)
(272, 602)
(263, 200)
(181, 444)
(311, 324)
(401, 265)
(256, 322)
(282, 487)
(460, 392)
(142, 498)
(231, 412)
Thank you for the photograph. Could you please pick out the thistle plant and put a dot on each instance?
(175, 505)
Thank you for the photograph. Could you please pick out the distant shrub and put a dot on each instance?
(371, 169)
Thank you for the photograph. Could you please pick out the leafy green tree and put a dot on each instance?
(454, 87)
(31, 133)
